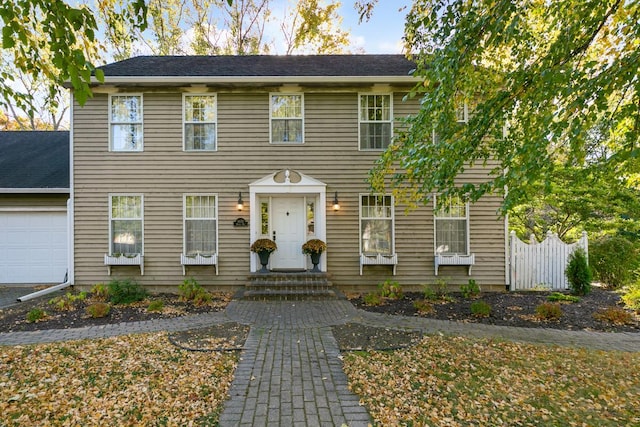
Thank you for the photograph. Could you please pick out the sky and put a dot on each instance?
(383, 33)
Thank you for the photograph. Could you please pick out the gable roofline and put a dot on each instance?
(259, 69)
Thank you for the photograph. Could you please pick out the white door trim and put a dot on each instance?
(302, 185)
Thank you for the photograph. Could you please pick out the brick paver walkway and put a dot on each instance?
(290, 372)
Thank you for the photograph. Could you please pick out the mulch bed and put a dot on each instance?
(13, 319)
(515, 309)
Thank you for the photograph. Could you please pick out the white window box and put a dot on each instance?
(379, 260)
(111, 260)
(198, 260)
(455, 259)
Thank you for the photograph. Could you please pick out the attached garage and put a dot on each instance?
(34, 247)
(34, 189)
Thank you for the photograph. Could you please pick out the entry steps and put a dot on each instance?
(284, 286)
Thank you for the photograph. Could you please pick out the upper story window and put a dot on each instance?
(200, 225)
(452, 227)
(287, 118)
(376, 224)
(462, 112)
(375, 117)
(125, 224)
(462, 118)
(125, 122)
(200, 122)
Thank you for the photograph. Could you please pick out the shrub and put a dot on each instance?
(190, 290)
(614, 260)
(202, 298)
(560, 297)
(98, 309)
(423, 306)
(442, 288)
(470, 290)
(68, 301)
(100, 292)
(439, 291)
(390, 289)
(125, 292)
(631, 297)
(156, 306)
(549, 311)
(614, 315)
(480, 309)
(35, 315)
(578, 273)
(372, 299)
(429, 293)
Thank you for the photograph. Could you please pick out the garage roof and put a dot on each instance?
(34, 161)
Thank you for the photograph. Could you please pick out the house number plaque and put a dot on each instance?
(240, 222)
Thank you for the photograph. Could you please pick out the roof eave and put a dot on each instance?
(34, 190)
(254, 79)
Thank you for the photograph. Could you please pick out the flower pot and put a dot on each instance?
(315, 260)
(264, 260)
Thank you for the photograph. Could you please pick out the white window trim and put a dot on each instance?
(465, 118)
(393, 220)
(391, 118)
(111, 196)
(302, 112)
(141, 123)
(435, 223)
(185, 122)
(184, 218)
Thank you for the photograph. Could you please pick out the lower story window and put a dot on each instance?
(200, 225)
(452, 227)
(125, 224)
(376, 224)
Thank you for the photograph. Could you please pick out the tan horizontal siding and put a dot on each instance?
(163, 173)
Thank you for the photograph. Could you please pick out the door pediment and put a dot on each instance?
(287, 178)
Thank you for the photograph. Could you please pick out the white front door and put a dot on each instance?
(288, 231)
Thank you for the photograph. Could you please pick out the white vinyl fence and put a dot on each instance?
(542, 265)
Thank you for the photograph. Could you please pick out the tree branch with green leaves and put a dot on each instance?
(545, 80)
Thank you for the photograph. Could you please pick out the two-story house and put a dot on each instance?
(180, 163)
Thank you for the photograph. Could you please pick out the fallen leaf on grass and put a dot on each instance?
(128, 380)
(456, 381)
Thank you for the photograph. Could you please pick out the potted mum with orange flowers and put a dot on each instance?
(263, 247)
(314, 248)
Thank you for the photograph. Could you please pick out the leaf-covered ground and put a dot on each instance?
(446, 381)
(123, 381)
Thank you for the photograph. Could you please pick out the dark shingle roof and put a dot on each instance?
(261, 66)
(34, 159)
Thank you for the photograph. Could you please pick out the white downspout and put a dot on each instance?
(70, 220)
(45, 291)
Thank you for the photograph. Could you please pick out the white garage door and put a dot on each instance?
(33, 247)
